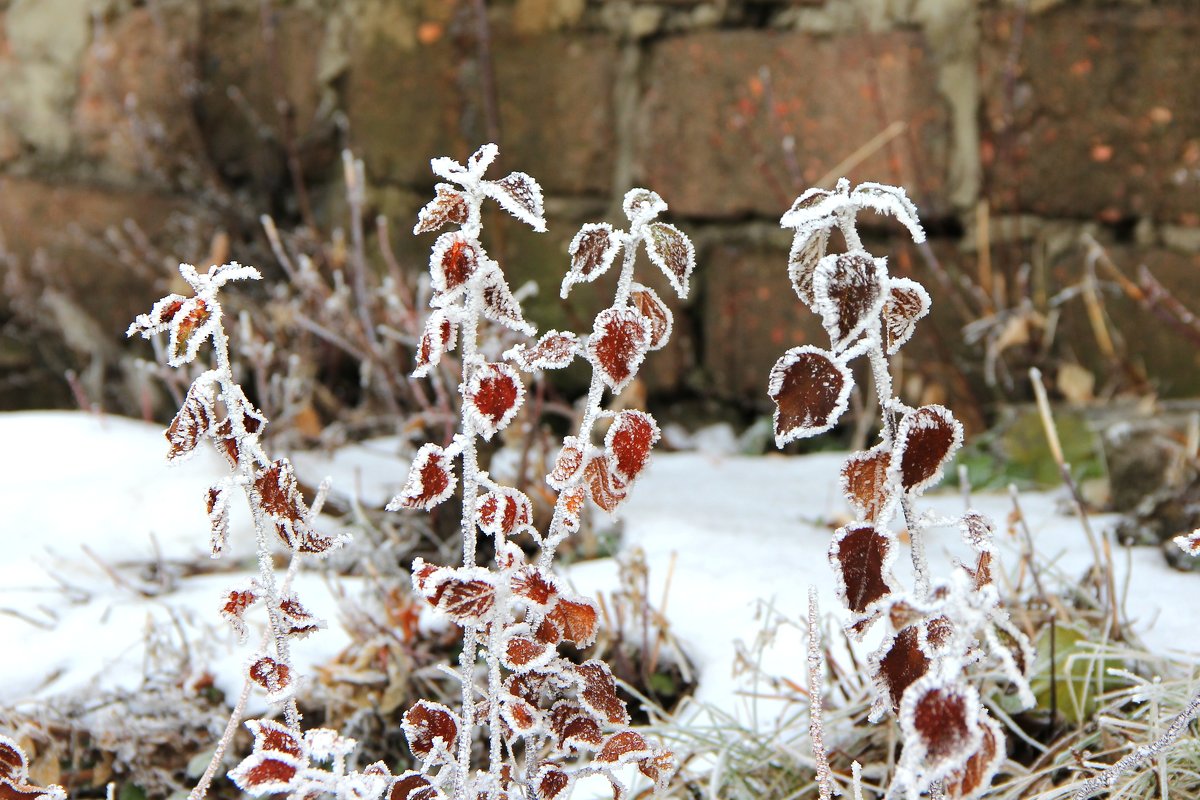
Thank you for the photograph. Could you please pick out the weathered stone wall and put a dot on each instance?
(1016, 126)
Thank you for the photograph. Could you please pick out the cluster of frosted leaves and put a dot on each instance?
(295, 620)
(517, 193)
(313, 764)
(282, 505)
(190, 321)
(817, 211)
(14, 776)
(570, 708)
(595, 247)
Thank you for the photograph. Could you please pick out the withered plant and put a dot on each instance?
(939, 628)
(544, 714)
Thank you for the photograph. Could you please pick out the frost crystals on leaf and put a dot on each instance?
(266, 772)
(273, 676)
(807, 251)
(623, 747)
(814, 209)
(437, 338)
(216, 501)
(193, 421)
(926, 440)
(810, 389)
(574, 727)
(234, 608)
(1189, 543)
(430, 480)
(618, 344)
(466, 594)
(521, 196)
(896, 665)
(647, 301)
(413, 786)
(504, 512)
(976, 775)
(567, 464)
(907, 302)
(865, 482)
(592, 251)
(492, 397)
(452, 262)
(642, 205)
(940, 721)
(862, 556)
(551, 782)
(450, 206)
(673, 252)
(847, 291)
(555, 350)
(629, 440)
(499, 304)
(890, 200)
(606, 487)
(599, 693)
(576, 620)
(431, 730)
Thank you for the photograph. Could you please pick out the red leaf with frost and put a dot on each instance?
(432, 730)
(976, 775)
(413, 786)
(14, 765)
(521, 652)
(1189, 542)
(430, 480)
(865, 482)
(554, 350)
(279, 498)
(437, 338)
(16, 790)
(658, 768)
(618, 344)
(297, 620)
(848, 292)
(606, 487)
(189, 328)
(811, 390)
(651, 306)
(896, 665)
(193, 421)
(629, 441)
(673, 252)
(499, 303)
(465, 594)
(275, 737)
(227, 437)
(550, 782)
(940, 722)
(592, 252)
(808, 248)
(574, 727)
(159, 318)
(450, 206)
(504, 512)
(572, 509)
(273, 676)
(599, 692)
(493, 396)
(216, 503)
(907, 302)
(575, 619)
(534, 586)
(265, 773)
(453, 261)
(926, 439)
(567, 464)
(522, 717)
(862, 556)
(623, 747)
(526, 686)
(521, 196)
(234, 609)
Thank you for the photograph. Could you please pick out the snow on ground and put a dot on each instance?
(739, 531)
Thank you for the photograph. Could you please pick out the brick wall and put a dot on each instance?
(1018, 125)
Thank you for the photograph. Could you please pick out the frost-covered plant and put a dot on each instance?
(542, 712)
(938, 628)
(217, 410)
(14, 776)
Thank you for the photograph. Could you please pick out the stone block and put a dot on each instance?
(721, 106)
(1097, 116)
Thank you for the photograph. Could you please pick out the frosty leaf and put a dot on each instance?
(673, 252)
(234, 608)
(592, 252)
(658, 768)
(431, 730)
(297, 620)
(907, 301)
(807, 251)
(275, 737)
(492, 397)
(17, 790)
(482, 158)
(940, 722)
(521, 652)
(978, 531)
(526, 687)
(159, 318)
(574, 727)
(216, 502)
(437, 338)
(450, 206)
(279, 497)
(430, 480)
(605, 486)
(623, 747)
(897, 664)
(642, 205)
(599, 694)
(1189, 542)
(452, 262)
(976, 775)
(222, 274)
(465, 594)
(567, 464)
(413, 786)
(265, 773)
(550, 782)
(521, 196)
(926, 440)
(647, 301)
(190, 327)
(522, 717)
(1013, 648)
(555, 350)
(273, 676)
(890, 200)
(815, 208)
(619, 341)
(865, 482)
(847, 289)
(14, 765)
(499, 304)
(862, 556)
(629, 440)
(810, 389)
(575, 619)
(193, 421)
(326, 744)
(571, 510)
(504, 512)
(227, 439)
(534, 586)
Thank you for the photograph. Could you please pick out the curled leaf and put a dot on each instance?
(623, 747)
(437, 338)
(651, 306)
(574, 726)
(607, 488)
(413, 786)
(811, 390)
(566, 464)
(449, 206)
(555, 350)
(890, 200)
(940, 722)
(976, 775)
(216, 502)
(907, 302)
(273, 676)
(466, 594)
(234, 609)
(492, 397)
(865, 482)
(193, 421)
(642, 205)
(266, 772)
(499, 304)
(453, 261)
(275, 737)
(521, 652)
(808, 248)
(534, 586)
(430, 480)
(815, 208)
(551, 782)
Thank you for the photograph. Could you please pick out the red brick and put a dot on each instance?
(719, 105)
(1103, 121)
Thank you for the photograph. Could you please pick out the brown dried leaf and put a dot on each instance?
(865, 482)
(430, 480)
(576, 619)
(265, 773)
(808, 248)
(504, 512)
(605, 486)
(432, 731)
(567, 463)
(465, 594)
(234, 609)
(453, 261)
(523, 653)
(14, 765)
(216, 502)
(555, 350)
(450, 206)
(574, 727)
(533, 585)
(810, 389)
(599, 694)
(592, 251)
(673, 252)
(193, 421)
(273, 676)
(623, 747)
(847, 289)
(907, 302)
(437, 338)
(499, 304)
(926, 440)
(413, 786)
(550, 782)
(618, 344)
(940, 721)
(976, 775)
(275, 737)
(519, 195)
(861, 556)
(896, 665)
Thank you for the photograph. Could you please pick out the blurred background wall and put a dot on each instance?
(134, 135)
